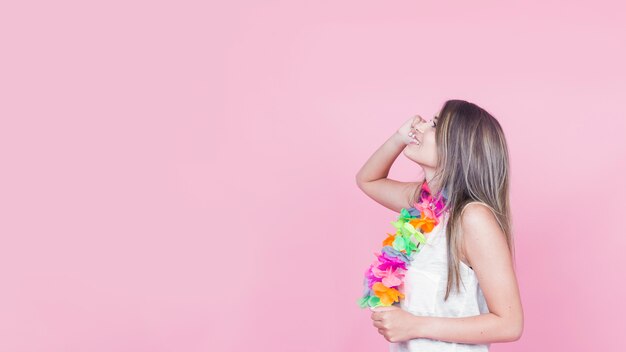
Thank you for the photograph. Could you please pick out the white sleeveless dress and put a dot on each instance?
(425, 287)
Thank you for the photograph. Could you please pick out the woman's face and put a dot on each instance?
(424, 150)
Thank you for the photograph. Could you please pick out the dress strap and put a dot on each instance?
(487, 205)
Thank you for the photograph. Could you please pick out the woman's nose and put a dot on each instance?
(421, 126)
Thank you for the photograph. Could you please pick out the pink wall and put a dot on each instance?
(180, 176)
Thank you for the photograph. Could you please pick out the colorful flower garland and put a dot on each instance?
(385, 276)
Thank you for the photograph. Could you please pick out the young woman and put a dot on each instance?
(460, 289)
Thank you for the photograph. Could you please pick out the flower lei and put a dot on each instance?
(384, 277)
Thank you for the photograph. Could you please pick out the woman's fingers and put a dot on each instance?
(417, 119)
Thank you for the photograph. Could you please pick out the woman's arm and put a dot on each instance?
(489, 255)
(372, 177)
(478, 329)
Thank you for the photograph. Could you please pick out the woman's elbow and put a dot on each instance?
(516, 329)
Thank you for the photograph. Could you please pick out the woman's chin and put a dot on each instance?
(410, 152)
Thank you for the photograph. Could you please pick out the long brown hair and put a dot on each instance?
(473, 165)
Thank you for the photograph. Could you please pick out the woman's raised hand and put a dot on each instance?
(406, 128)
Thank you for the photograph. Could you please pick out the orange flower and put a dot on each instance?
(387, 295)
(389, 240)
(424, 224)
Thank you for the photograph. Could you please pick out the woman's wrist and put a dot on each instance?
(399, 139)
(419, 326)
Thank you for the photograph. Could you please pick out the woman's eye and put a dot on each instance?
(434, 123)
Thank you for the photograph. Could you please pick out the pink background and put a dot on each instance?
(180, 176)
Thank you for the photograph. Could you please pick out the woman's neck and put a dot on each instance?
(433, 185)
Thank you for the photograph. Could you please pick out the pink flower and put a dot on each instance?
(390, 277)
(428, 205)
(387, 261)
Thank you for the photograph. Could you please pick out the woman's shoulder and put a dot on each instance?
(476, 214)
(479, 225)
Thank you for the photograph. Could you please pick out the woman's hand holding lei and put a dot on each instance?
(396, 324)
